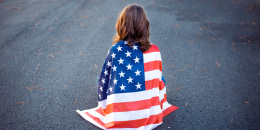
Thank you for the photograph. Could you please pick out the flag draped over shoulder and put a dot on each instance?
(131, 90)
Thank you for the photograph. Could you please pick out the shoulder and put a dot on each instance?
(118, 46)
(153, 48)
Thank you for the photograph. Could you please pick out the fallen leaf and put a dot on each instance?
(16, 8)
(241, 23)
(96, 66)
(66, 40)
(177, 25)
(246, 102)
(191, 41)
(20, 102)
(37, 66)
(179, 88)
(52, 55)
(80, 53)
(172, 77)
(84, 17)
(173, 66)
(191, 65)
(34, 87)
(51, 71)
(183, 70)
(76, 101)
(218, 64)
(23, 67)
(231, 121)
(213, 38)
(204, 69)
(186, 104)
(36, 24)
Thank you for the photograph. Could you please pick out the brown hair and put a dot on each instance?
(133, 26)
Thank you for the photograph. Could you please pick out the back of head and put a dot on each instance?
(133, 26)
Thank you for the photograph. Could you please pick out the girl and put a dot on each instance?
(131, 89)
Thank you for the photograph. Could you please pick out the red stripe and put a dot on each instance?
(153, 48)
(163, 100)
(154, 65)
(169, 110)
(107, 125)
(150, 84)
(153, 119)
(100, 111)
(131, 106)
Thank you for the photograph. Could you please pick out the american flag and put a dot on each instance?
(131, 90)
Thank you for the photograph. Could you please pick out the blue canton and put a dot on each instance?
(122, 72)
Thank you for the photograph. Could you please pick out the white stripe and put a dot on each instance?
(147, 127)
(162, 92)
(132, 97)
(86, 117)
(154, 74)
(102, 104)
(153, 56)
(166, 105)
(133, 115)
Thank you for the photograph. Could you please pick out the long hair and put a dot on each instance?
(133, 27)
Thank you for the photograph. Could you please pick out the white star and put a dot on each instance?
(126, 43)
(103, 81)
(110, 76)
(109, 64)
(114, 68)
(136, 59)
(113, 55)
(135, 47)
(99, 96)
(120, 61)
(121, 74)
(105, 73)
(110, 88)
(101, 88)
(137, 72)
(115, 81)
(130, 80)
(128, 54)
(122, 87)
(119, 48)
(129, 67)
(138, 86)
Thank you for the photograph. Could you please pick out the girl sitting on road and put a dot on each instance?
(131, 89)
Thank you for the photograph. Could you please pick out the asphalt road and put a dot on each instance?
(52, 51)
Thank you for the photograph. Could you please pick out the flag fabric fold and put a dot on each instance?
(131, 90)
